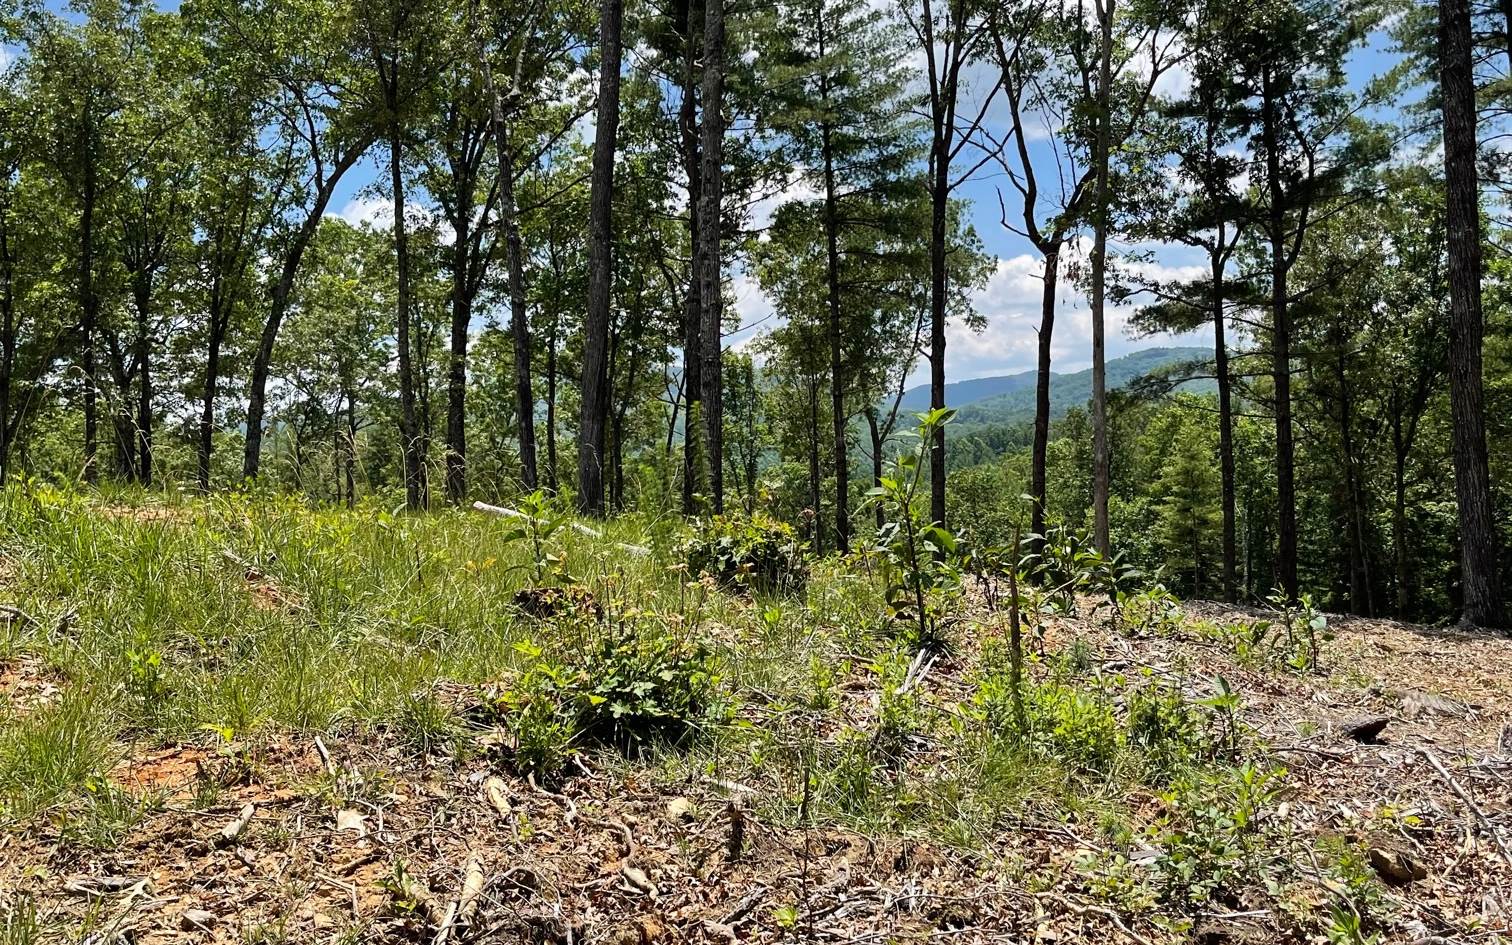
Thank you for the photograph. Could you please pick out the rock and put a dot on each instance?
(352, 821)
(1395, 866)
(681, 810)
(1366, 730)
(198, 920)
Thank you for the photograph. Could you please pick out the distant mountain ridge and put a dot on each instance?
(1010, 398)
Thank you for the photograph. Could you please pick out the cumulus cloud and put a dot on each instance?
(377, 212)
(1011, 303)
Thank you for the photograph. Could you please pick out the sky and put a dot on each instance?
(1009, 301)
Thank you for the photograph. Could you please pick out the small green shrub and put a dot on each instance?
(635, 684)
(1079, 728)
(754, 552)
(1165, 729)
(1210, 837)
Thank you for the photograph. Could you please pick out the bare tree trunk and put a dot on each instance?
(939, 195)
(519, 319)
(1225, 427)
(1479, 577)
(837, 378)
(7, 342)
(600, 265)
(816, 499)
(143, 294)
(1101, 471)
(687, 123)
(408, 427)
(710, 284)
(456, 364)
(90, 303)
(1286, 489)
(1038, 477)
(551, 398)
(1399, 516)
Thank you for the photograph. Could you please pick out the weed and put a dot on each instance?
(748, 551)
(54, 753)
(919, 571)
(1169, 735)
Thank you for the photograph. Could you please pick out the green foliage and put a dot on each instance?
(748, 551)
(1168, 733)
(1210, 837)
(1076, 726)
(635, 683)
(920, 558)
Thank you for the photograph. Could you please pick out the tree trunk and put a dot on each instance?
(1399, 517)
(1286, 490)
(939, 196)
(7, 340)
(1101, 472)
(409, 430)
(837, 378)
(600, 272)
(816, 499)
(519, 324)
(551, 398)
(1481, 583)
(212, 380)
(687, 123)
(710, 285)
(877, 444)
(278, 305)
(90, 304)
(143, 293)
(351, 450)
(1225, 426)
(456, 364)
(1038, 479)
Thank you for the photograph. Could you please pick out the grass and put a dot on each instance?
(241, 618)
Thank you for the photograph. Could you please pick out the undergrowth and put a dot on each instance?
(718, 650)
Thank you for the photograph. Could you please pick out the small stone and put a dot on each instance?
(1395, 866)
(681, 810)
(196, 920)
(352, 821)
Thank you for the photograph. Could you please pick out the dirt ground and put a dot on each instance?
(304, 841)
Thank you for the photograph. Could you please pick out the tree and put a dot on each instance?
(951, 36)
(707, 258)
(595, 385)
(1202, 207)
(1289, 56)
(327, 115)
(848, 126)
(1480, 581)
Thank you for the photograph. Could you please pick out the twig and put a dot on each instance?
(1469, 802)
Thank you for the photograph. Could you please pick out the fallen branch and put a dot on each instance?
(233, 830)
(1469, 802)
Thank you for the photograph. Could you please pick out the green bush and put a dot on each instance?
(1165, 729)
(753, 551)
(1077, 727)
(634, 684)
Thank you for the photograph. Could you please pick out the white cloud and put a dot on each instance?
(1011, 303)
(377, 212)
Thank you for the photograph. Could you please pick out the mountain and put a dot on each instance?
(1009, 399)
